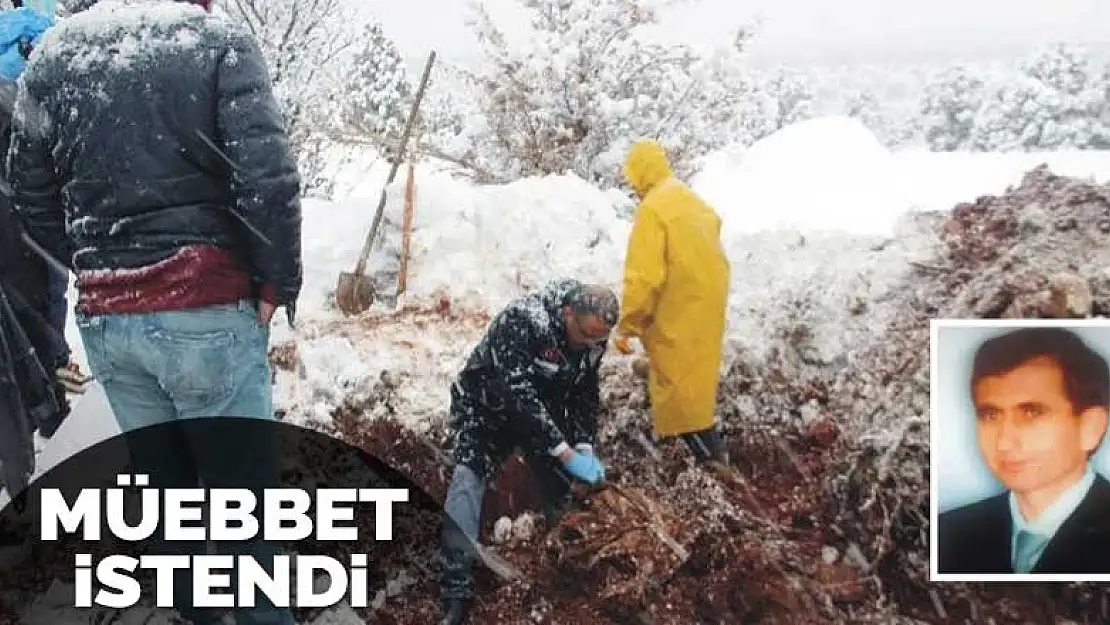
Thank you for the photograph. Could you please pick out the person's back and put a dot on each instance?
(675, 298)
(134, 93)
(172, 246)
(698, 270)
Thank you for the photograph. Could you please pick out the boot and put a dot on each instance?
(724, 472)
(455, 611)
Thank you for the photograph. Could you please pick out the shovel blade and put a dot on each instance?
(354, 293)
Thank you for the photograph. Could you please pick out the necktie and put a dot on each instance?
(1026, 548)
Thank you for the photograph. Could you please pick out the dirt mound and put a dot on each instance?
(619, 543)
(825, 517)
(1039, 250)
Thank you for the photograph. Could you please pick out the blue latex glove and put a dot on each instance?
(586, 467)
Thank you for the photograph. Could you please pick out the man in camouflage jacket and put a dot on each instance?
(531, 383)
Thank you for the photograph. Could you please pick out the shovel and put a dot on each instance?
(355, 291)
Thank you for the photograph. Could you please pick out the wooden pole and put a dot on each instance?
(406, 231)
(360, 267)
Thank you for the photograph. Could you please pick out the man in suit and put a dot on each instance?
(1042, 399)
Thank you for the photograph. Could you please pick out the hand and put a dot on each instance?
(265, 312)
(624, 345)
(587, 468)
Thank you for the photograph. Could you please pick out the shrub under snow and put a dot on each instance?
(1055, 98)
(583, 84)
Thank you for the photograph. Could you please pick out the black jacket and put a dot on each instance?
(17, 445)
(110, 159)
(976, 538)
(30, 397)
(524, 371)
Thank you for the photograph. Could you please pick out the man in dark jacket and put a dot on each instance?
(32, 338)
(531, 383)
(30, 399)
(149, 155)
(113, 175)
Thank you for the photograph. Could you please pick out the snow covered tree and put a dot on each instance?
(451, 120)
(1012, 116)
(788, 99)
(890, 128)
(377, 91)
(1057, 100)
(303, 40)
(583, 85)
(949, 109)
(1099, 97)
(865, 107)
(307, 45)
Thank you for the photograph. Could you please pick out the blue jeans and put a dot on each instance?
(463, 515)
(161, 367)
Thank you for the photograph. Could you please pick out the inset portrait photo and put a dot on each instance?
(1019, 457)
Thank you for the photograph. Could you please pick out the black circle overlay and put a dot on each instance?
(223, 453)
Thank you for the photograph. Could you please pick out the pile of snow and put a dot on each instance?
(833, 285)
(402, 366)
(832, 175)
(823, 174)
(352, 167)
(480, 244)
(497, 242)
(937, 181)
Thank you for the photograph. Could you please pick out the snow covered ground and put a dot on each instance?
(832, 174)
(802, 214)
(805, 212)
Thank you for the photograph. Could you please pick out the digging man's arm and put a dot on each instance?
(513, 361)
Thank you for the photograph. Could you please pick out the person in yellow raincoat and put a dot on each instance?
(675, 300)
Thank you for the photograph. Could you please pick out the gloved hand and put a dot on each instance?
(586, 467)
(624, 345)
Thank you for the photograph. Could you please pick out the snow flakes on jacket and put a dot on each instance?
(112, 161)
(524, 385)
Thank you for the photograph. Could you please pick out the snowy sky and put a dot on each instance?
(806, 31)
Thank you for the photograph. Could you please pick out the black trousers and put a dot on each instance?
(706, 445)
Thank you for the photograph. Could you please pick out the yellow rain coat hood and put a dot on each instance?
(675, 292)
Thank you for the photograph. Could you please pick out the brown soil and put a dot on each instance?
(816, 524)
